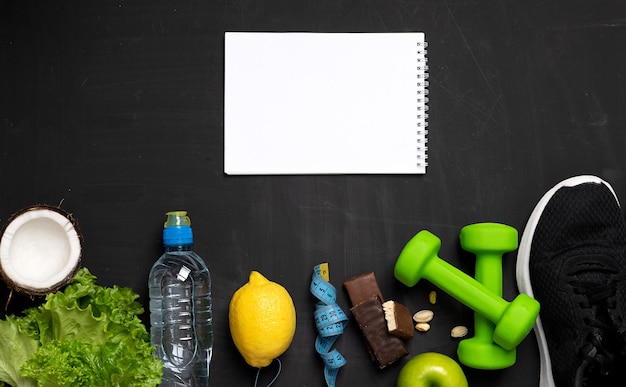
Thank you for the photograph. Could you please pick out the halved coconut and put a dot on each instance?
(40, 250)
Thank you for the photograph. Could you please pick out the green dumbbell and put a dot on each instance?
(489, 242)
(419, 259)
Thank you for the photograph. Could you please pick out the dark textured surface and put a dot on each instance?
(115, 109)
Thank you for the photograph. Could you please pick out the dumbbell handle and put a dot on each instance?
(489, 271)
(465, 289)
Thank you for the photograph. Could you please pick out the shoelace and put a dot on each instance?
(606, 340)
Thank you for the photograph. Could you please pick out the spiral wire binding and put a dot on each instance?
(422, 104)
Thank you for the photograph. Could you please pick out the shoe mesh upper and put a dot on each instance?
(577, 267)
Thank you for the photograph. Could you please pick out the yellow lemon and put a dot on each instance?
(262, 319)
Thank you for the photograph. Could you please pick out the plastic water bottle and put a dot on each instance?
(180, 307)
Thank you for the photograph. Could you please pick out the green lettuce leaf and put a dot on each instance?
(16, 348)
(75, 363)
(87, 312)
(84, 335)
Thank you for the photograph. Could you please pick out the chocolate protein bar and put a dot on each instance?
(384, 347)
(362, 287)
(399, 320)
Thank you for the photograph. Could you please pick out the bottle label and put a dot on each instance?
(183, 273)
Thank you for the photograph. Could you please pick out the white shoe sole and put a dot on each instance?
(522, 271)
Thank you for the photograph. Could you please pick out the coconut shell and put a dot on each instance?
(34, 291)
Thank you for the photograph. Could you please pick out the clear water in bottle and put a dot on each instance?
(180, 307)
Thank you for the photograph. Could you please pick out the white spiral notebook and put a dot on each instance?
(325, 103)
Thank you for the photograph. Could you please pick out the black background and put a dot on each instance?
(115, 110)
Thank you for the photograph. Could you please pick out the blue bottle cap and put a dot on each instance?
(177, 229)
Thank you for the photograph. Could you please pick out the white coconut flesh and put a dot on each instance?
(39, 249)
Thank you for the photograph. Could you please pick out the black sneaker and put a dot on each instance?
(572, 259)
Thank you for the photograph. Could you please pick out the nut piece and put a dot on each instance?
(458, 331)
(432, 297)
(422, 327)
(423, 316)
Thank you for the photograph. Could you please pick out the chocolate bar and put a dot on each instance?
(399, 320)
(383, 347)
(362, 287)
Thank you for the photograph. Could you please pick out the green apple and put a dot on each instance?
(431, 369)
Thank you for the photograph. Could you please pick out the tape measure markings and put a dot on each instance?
(330, 321)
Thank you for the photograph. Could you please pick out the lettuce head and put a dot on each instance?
(83, 335)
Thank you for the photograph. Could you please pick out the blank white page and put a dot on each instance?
(324, 103)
